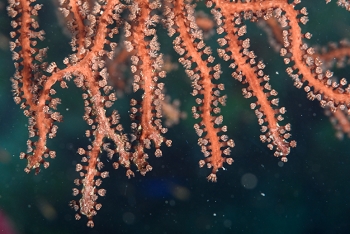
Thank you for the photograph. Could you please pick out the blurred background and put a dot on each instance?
(257, 194)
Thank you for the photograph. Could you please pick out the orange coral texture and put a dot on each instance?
(94, 26)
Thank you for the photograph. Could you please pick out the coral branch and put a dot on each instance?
(105, 34)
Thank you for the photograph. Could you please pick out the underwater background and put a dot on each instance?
(256, 194)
